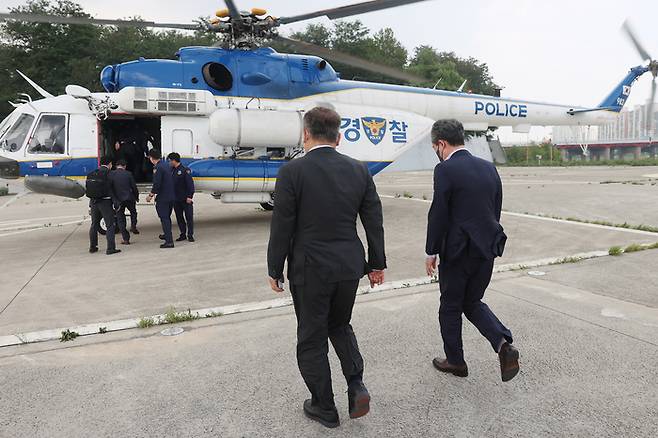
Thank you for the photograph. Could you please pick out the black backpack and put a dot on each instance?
(97, 185)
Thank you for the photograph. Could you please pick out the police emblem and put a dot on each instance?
(375, 128)
(180, 173)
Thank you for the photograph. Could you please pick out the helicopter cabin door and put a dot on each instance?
(182, 141)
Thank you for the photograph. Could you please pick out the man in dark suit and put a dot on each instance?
(163, 190)
(316, 203)
(100, 206)
(126, 197)
(463, 229)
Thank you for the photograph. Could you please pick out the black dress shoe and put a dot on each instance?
(93, 249)
(112, 251)
(509, 361)
(445, 367)
(181, 238)
(167, 245)
(190, 239)
(326, 417)
(134, 231)
(162, 237)
(359, 400)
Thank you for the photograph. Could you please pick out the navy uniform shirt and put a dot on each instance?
(183, 183)
(163, 182)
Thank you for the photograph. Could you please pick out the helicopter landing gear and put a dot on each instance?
(268, 206)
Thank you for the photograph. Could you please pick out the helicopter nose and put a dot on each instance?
(9, 169)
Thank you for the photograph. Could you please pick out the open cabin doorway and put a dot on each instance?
(130, 138)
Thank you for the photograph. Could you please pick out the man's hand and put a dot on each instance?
(430, 265)
(189, 200)
(376, 278)
(149, 197)
(275, 285)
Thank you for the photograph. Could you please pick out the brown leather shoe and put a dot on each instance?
(445, 367)
(509, 361)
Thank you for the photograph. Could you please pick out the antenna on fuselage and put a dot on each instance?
(34, 85)
(461, 87)
(15, 105)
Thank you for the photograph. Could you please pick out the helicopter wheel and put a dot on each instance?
(102, 228)
(268, 206)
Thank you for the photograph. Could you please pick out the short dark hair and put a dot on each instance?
(106, 161)
(322, 123)
(121, 162)
(174, 156)
(155, 154)
(450, 130)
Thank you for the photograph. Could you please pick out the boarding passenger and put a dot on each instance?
(100, 191)
(184, 191)
(127, 196)
(326, 258)
(464, 232)
(163, 190)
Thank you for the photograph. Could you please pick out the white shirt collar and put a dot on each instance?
(320, 146)
(463, 148)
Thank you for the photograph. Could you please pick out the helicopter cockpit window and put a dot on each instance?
(13, 139)
(217, 76)
(50, 135)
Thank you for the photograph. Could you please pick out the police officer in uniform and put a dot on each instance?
(163, 190)
(126, 197)
(184, 191)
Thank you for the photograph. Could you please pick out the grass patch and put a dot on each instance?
(68, 335)
(408, 195)
(615, 251)
(102, 330)
(146, 322)
(564, 260)
(634, 247)
(214, 314)
(172, 317)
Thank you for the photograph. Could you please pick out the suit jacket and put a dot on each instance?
(163, 182)
(125, 188)
(316, 203)
(465, 213)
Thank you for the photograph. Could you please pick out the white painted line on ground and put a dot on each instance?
(547, 219)
(22, 230)
(132, 323)
(13, 199)
(36, 219)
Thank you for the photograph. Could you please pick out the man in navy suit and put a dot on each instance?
(163, 191)
(463, 230)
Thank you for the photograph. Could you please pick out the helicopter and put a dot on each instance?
(234, 110)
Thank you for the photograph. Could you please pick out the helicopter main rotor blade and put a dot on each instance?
(628, 29)
(351, 60)
(35, 18)
(233, 11)
(349, 10)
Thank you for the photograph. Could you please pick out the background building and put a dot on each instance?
(630, 137)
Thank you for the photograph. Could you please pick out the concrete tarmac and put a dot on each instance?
(587, 370)
(587, 331)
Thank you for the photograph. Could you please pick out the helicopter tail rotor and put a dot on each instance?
(652, 67)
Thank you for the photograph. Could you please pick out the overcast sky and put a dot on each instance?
(557, 51)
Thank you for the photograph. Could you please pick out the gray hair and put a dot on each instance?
(322, 123)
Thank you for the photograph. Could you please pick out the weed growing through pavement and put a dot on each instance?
(172, 317)
(615, 251)
(68, 335)
(146, 322)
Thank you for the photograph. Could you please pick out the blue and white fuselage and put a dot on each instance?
(235, 117)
